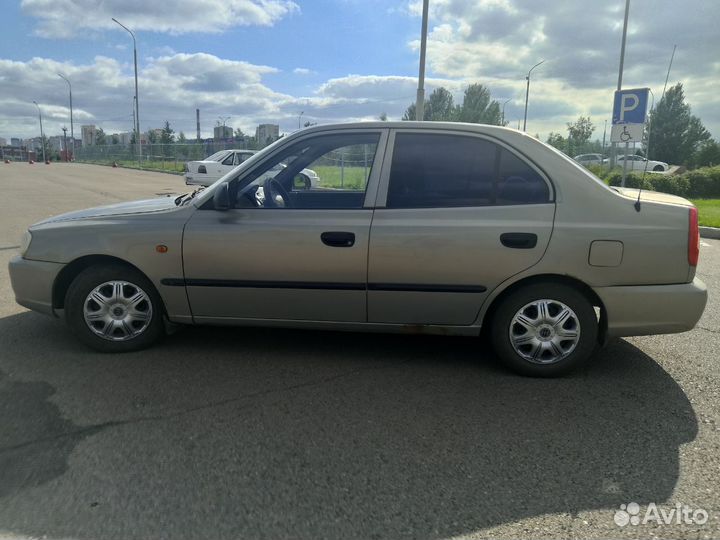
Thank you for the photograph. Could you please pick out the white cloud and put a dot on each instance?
(171, 87)
(499, 40)
(304, 71)
(66, 18)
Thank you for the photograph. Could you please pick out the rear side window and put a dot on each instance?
(444, 171)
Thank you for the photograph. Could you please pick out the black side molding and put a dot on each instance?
(314, 285)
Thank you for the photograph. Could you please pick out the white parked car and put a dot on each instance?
(210, 169)
(638, 163)
(590, 159)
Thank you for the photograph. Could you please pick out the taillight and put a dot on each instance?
(693, 238)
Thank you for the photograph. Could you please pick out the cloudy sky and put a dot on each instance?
(336, 60)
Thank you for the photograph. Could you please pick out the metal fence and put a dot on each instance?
(165, 157)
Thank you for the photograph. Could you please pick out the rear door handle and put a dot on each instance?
(518, 240)
(338, 239)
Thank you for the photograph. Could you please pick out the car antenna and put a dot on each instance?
(647, 154)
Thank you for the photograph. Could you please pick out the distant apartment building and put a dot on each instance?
(125, 137)
(15, 141)
(267, 133)
(89, 134)
(55, 143)
(222, 132)
(3, 141)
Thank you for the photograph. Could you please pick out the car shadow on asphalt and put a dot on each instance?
(240, 432)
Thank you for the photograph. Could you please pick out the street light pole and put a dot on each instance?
(619, 87)
(503, 110)
(67, 156)
(72, 130)
(527, 93)
(299, 116)
(420, 101)
(137, 99)
(42, 136)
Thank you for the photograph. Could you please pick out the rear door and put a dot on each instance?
(457, 214)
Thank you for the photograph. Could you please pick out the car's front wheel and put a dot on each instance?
(114, 308)
(544, 330)
(658, 168)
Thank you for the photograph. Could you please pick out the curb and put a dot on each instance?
(710, 232)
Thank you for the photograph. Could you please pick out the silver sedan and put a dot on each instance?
(438, 228)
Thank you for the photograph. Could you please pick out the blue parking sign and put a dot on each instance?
(630, 106)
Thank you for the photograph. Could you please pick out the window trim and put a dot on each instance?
(372, 183)
(381, 199)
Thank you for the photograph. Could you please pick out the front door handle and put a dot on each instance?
(518, 240)
(338, 239)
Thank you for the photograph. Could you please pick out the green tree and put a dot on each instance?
(675, 134)
(383, 117)
(133, 137)
(478, 108)
(181, 138)
(239, 135)
(100, 138)
(579, 133)
(167, 136)
(708, 154)
(409, 113)
(114, 139)
(151, 136)
(558, 141)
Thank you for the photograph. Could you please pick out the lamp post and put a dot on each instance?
(72, 130)
(67, 156)
(137, 99)
(503, 110)
(527, 93)
(42, 136)
(420, 101)
(299, 116)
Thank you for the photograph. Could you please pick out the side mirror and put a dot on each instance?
(221, 197)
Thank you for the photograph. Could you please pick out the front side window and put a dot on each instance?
(444, 171)
(230, 160)
(330, 172)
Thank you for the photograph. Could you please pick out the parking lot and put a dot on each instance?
(239, 432)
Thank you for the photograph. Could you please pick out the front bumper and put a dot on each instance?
(653, 309)
(32, 282)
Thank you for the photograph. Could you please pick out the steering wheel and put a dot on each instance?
(272, 187)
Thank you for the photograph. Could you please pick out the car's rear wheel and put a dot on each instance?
(658, 168)
(544, 330)
(114, 308)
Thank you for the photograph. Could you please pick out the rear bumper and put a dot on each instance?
(32, 282)
(653, 309)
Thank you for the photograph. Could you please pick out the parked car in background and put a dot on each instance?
(210, 169)
(639, 163)
(590, 159)
(430, 227)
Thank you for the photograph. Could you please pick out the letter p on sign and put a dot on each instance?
(630, 106)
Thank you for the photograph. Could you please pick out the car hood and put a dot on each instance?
(653, 196)
(121, 209)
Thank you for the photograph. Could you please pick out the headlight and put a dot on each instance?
(25, 243)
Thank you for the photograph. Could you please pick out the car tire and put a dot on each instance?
(530, 337)
(658, 168)
(114, 308)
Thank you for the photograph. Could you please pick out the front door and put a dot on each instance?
(284, 252)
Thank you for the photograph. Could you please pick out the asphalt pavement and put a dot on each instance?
(255, 433)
